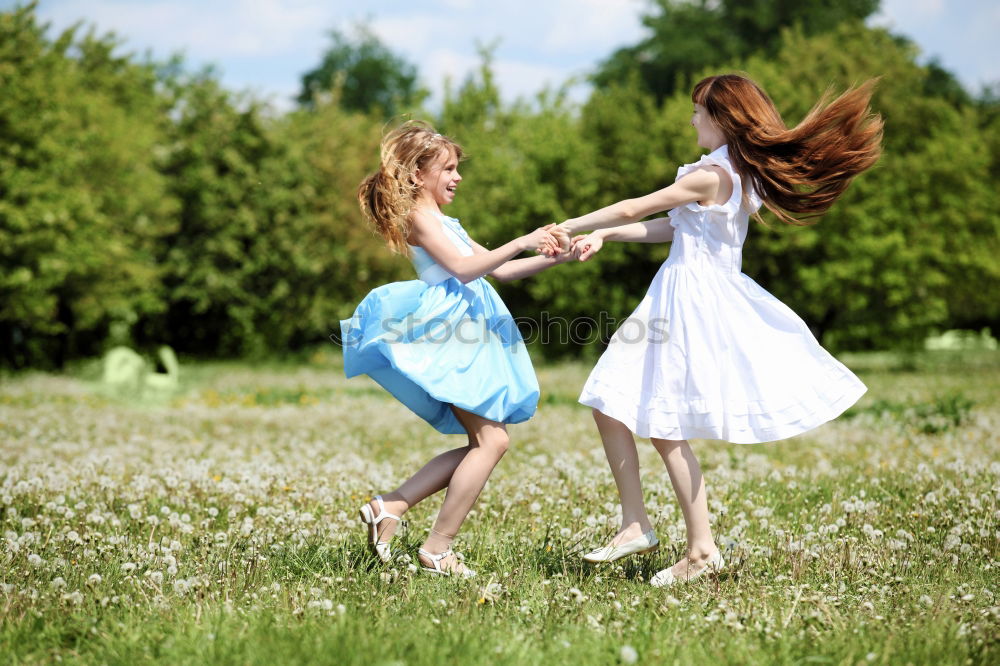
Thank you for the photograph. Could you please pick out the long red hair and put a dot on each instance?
(798, 171)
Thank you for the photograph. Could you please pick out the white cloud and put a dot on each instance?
(268, 44)
(205, 30)
(444, 47)
(524, 79)
(903, 15)
(445, 63)
(960, 34)
(410, 35)
(596, 27)
(514, 78)
(536, 44)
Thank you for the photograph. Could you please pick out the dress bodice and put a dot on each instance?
(714, 234)
(429, 270)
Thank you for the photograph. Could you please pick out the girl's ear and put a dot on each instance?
(416, 179)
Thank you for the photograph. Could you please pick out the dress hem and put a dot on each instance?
(676, 425)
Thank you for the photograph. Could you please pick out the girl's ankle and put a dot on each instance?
(395, 504)
(702, 551)
(642, 524)
(438, 542)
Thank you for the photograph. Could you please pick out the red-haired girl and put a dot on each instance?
(708, 353)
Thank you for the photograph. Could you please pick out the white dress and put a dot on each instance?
(711, 354)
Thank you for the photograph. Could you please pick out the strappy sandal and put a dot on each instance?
(436, 558)
(379, 548)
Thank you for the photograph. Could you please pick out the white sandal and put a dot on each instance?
(714, 564)
(436, 558)
(379, 548)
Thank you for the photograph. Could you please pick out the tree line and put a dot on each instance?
(145, 204)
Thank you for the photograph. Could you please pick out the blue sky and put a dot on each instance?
(266, 45)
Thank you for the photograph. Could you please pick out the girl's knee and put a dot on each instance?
(495, 440)
(668, 445)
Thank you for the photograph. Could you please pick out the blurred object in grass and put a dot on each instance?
(957, 340)
(123, 370)
(942, 414)
(125, 373)
(169, 380)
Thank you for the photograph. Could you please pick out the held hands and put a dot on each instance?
(586, 246)
(559, 244)
(561, 235)
(551, 241)
(542, 241)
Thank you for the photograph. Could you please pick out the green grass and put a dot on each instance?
(222, 525)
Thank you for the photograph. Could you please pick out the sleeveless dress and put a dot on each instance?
(710, 354)
(435, 342)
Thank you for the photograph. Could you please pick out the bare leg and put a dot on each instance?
(429, 479)
(685, 475)
(619, 447)
(488, 442)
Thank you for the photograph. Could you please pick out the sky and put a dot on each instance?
(266, 45)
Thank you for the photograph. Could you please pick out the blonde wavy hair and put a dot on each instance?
(387, 196)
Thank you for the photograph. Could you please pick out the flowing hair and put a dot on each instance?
(387, 195)
(799, 171)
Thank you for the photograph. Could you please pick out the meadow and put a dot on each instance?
(219, 525)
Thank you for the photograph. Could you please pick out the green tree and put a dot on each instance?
(637, 147)
(688, 36)
(222, 265)
(138, 201)
(270, 250)
(367, 76)
(337, 149)
(894, 257)
(81, 202)
(529, 164)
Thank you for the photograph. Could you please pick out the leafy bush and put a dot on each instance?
(143, 205)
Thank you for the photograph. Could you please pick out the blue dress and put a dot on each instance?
(435, 342)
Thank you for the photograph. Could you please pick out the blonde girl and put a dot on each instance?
(445, 345)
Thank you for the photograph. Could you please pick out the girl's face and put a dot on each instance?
(709, 134)
(439, 179)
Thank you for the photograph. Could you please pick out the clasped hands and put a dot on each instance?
(558, 244)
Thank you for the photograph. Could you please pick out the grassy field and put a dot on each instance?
(220, 526)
